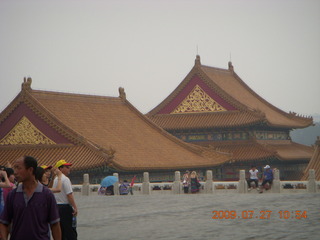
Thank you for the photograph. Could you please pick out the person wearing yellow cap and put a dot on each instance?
(66, 203)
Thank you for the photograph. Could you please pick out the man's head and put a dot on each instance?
(64, 167)
(25, 168)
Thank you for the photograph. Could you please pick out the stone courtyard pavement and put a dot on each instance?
(168, 216)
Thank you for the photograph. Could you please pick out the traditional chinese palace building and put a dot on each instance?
(98, 135)
(214, 108)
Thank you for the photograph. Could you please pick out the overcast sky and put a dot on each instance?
(148, 47)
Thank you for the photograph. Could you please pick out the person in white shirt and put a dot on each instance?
(66, 204)
(253, 177)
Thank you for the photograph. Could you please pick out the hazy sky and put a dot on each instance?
(148, 47)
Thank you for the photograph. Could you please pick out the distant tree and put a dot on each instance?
(306, 136)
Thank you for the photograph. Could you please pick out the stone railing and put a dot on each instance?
(209, 186)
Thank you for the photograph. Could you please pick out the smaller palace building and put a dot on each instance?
(214, 108)
(98, 135)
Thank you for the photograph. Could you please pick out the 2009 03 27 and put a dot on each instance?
(263, 214)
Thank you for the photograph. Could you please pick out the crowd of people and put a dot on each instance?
(191, 183)
(37, 202)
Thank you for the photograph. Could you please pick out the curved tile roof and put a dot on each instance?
(292, 151)
(103, 125)
(243, 150)
(283, 150)
(232, 84)
(81, 157)
(226, 84)
(112, 122)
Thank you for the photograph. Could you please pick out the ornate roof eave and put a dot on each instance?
(306, 121)
(152, 168)
(47, 152)
(34, 146)
(164, 120)
(278, 126)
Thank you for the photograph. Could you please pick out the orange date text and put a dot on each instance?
(264, 214)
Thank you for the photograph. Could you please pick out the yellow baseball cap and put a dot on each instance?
(45, 167)
(62, 163)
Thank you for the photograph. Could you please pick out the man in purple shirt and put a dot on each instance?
(31, 207)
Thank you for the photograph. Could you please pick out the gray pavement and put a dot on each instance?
(189, 216)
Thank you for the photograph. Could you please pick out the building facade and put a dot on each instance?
(213, 107)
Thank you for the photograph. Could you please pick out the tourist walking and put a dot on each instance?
(194, 182)
(30, 207)
(186, 181)
(66, 204)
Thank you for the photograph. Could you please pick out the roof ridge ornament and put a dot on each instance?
(26, 85)
(197, 62)
(230, 66)
(122, 93)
